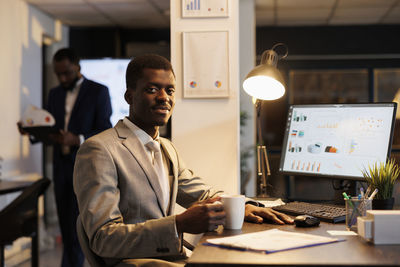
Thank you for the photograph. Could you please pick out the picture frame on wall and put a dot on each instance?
(204, 8)
(205, 64)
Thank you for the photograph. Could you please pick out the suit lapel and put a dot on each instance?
(137, 150)
(171, 156)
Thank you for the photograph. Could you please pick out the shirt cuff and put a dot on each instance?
(176, 230)
(81, 139)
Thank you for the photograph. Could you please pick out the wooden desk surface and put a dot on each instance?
(9, 186)
(352, 252)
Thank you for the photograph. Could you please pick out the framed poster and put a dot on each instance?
(205, 64)
(204, 8)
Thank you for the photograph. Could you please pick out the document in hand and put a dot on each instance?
(39, 123)
(270, 241)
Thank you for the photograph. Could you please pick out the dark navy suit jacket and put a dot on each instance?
(90, 114)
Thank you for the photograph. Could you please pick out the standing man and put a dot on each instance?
(128, 179)
(81, 108)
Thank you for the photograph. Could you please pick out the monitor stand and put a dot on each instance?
(340, 186)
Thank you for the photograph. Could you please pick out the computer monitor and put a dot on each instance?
(110, 72)
(337, 140)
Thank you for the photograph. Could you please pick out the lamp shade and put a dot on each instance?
(265, 82)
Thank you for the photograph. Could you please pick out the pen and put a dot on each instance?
(346, 197)
(367, 192)
(373, 194)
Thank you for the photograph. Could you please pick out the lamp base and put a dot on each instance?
(263, 191)
(263, 170)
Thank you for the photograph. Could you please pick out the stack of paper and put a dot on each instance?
(270, 241)
(272, 203)
(38, 123)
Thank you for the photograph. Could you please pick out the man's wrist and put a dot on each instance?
(255, 203)
(178, 224)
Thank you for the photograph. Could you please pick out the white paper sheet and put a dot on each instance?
(272, 203)
(271, 241)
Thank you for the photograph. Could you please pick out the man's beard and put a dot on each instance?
(72, 85)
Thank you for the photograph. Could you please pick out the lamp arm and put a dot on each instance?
(286, 48)
(263, 168)
(260, 140)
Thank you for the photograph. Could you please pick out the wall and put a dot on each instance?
(247, 57)
(22, 28)
(206, 131)
(99, 42)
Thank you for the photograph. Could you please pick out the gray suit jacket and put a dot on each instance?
(119, 196)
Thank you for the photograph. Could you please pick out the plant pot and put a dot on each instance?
(383, 204)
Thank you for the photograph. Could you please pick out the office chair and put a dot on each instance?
(20, 218)
(93, 259)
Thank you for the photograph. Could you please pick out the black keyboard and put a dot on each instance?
(324, 212)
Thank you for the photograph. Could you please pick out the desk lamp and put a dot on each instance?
(264, 82)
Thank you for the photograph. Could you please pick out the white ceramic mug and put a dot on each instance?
(234, 208)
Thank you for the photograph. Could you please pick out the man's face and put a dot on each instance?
(66, 72)
(153, 99)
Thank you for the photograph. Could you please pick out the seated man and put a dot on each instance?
(127, 186)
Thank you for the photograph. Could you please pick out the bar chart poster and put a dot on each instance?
(204, 8)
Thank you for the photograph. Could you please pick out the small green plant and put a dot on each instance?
(382, 176)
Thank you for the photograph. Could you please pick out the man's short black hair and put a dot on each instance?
(66, 53)
(134, 71)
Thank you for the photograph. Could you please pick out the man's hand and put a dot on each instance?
(201, 217)
(258, 214)
(65, 138)
(21, 131)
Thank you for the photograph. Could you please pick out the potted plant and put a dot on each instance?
(382, 176)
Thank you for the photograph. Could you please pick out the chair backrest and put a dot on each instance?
(93, 259)
(16, 219)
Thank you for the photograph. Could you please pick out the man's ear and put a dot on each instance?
(128, 96)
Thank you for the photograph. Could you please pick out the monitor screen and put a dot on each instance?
(111, 73)
(337, 140)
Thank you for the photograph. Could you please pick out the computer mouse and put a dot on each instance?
(306, 221)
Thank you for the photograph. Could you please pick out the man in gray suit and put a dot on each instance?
(126, 202)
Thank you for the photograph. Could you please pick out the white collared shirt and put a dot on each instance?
(143, 137)
(70, 100)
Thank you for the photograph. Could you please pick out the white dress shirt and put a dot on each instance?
(70, 100)
(144, 139)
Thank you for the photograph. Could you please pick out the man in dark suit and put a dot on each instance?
(81, 108)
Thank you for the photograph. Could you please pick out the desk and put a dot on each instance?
(352, 252)
(9, 186)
